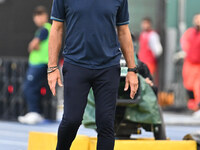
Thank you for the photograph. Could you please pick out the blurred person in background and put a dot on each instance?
(190, 43)
(150, 48)
(36, 73)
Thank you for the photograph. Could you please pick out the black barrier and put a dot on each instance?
(12, 102)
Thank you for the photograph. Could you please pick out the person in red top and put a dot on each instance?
(190, 43)
(149, 46)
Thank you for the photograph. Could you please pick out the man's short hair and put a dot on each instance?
(148, 19)
(40, 10)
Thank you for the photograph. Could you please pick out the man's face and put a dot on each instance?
(145, 25)
(39, 20)
(197, 20)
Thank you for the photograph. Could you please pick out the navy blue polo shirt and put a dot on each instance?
(91, 40)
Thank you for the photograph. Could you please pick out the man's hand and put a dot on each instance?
(54, 78)
(132, 81)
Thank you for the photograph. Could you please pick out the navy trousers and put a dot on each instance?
(36, 77)
(77, 83)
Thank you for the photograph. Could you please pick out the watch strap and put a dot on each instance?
(133, 69)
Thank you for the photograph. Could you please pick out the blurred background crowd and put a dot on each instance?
(166, 36)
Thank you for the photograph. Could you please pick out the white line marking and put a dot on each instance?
(11, 142)
(13, 134)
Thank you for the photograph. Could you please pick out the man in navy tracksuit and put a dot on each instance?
(91, 53)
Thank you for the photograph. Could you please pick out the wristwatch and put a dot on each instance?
(133, 69)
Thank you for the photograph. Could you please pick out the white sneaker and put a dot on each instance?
(196, 114)
(31, 118)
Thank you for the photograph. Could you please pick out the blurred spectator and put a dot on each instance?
(37, 70)
(149, 46)
(190, 43)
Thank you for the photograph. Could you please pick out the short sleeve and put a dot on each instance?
(58, 11)
(122, 14)
(42, 34)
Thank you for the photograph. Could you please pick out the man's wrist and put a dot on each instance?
(135, 69)
(52, 69)
(131, 66)
(52, 65)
